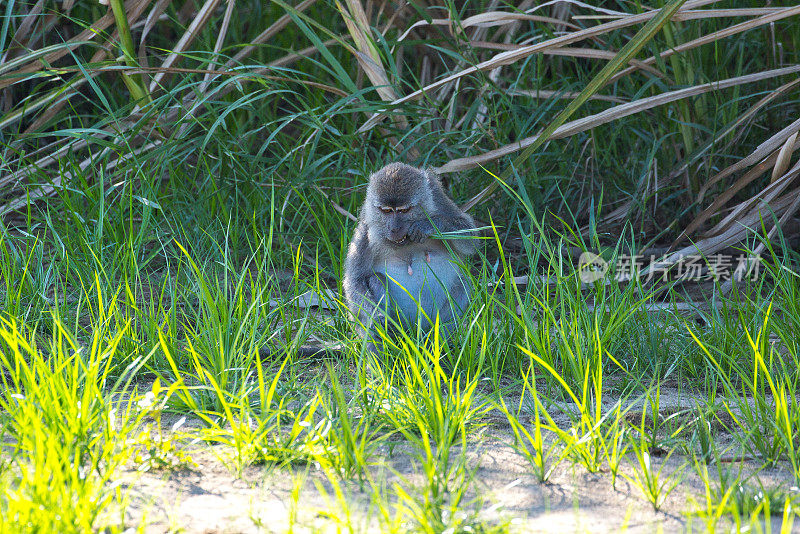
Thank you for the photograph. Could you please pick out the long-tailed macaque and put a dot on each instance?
(400, 271)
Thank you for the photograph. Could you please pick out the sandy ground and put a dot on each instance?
(504, 490)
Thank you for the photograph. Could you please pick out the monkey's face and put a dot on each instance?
(396, 220)
(395, 197)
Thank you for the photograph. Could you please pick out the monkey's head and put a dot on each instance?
(397, 195)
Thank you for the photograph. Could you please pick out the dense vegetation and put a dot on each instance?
(179, 184)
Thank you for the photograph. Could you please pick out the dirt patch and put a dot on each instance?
(210, 497)
(503, 491)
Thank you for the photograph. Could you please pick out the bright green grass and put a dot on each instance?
(148, 289)
(74, 357)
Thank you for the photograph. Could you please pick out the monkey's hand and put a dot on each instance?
(420, 230)
(377, 286)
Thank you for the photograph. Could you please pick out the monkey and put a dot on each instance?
(399, 272)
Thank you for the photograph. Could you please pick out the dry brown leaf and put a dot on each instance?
(370, 60)
(200, 20)
(729, 192)
(790, 211)
(576, 3)
(377, 75)
(711, 37)
(614, 113)
(339, 209)
(149, 23)
(485, 20)
(223, 31)
(765, 196)
(748, 177)
(744, 226)
(133, 8)
(267, 34)
(568, 51)
(45, 161)
(152, 18)
(784, 157)
(541, 93)
(512, 56)
(762, 151)
(727, 286)
(356, 21)
(698, 14)
(21, 36)
(28, 197)
(367, 53)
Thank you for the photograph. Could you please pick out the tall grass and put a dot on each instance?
(168, 217)
(66, 423)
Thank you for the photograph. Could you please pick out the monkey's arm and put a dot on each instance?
(362, 288)
(447, 218)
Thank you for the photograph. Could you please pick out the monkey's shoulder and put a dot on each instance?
(359, 244)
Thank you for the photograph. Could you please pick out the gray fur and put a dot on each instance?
(395, 266)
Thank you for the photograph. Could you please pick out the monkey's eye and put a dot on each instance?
(404, 210)
(386, 210)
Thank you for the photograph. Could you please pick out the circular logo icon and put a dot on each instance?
(591, 267)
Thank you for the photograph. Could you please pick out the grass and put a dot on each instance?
(572, 394)
(65, 427)
(163, 229)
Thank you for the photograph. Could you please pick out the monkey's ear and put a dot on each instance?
(432, 176)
